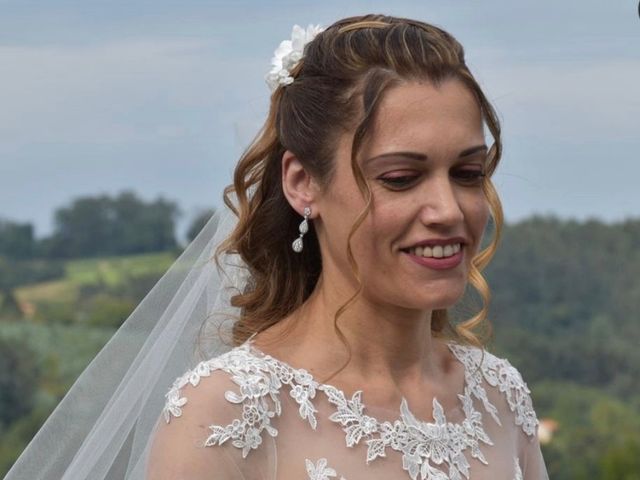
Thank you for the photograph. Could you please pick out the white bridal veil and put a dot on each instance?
(102, 428)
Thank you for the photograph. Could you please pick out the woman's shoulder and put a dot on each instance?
(504, 380)
(230, 394)
(210, 379)
(193, 383)
(205, 406)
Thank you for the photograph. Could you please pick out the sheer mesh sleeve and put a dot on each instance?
(533, 465)
(181, 448)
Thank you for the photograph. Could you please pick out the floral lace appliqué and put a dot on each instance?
(425, 447)
(498, 372)
(259, 383)
(319, 470)
(518, 471)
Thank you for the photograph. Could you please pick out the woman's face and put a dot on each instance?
(422, 163)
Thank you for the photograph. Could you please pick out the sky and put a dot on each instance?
(162, 97)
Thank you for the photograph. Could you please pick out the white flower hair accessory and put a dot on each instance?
(288, 53)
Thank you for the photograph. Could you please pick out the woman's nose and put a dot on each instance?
(441, 204)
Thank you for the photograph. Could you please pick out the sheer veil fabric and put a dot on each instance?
(102, 428)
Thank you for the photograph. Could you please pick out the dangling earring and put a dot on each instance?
(304, 228)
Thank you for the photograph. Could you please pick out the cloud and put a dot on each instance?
(568, 99)
(115, 92)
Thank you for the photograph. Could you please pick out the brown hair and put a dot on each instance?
(338, 85)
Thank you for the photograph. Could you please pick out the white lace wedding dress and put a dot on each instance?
(247, 415)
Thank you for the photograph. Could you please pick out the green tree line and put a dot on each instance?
(98, 226)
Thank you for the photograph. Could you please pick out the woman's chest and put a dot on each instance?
(353, 444)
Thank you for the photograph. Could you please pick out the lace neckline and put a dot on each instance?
(426, 447)
(249, 345)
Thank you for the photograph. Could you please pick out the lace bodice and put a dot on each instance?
(492, 434)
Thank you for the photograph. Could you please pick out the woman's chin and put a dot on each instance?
(441, 301)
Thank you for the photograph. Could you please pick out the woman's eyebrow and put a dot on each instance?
(421, 156)
(472, 150)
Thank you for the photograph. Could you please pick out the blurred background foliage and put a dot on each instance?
(564, 309)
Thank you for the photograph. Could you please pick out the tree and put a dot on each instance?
(198, 223)
(19, 374)
(94, 226)
(16, 240)
(9, 307)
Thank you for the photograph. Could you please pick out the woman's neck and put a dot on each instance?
(390, 344)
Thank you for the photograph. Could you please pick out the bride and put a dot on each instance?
(358, 222)
(346, 363)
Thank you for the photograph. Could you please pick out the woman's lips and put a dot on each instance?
(437, 263)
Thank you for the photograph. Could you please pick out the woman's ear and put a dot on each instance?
(300, 188)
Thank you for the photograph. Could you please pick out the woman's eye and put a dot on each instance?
(399, 181)
(471, 176)
(467, 176)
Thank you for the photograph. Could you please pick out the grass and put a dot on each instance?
(108, 271)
